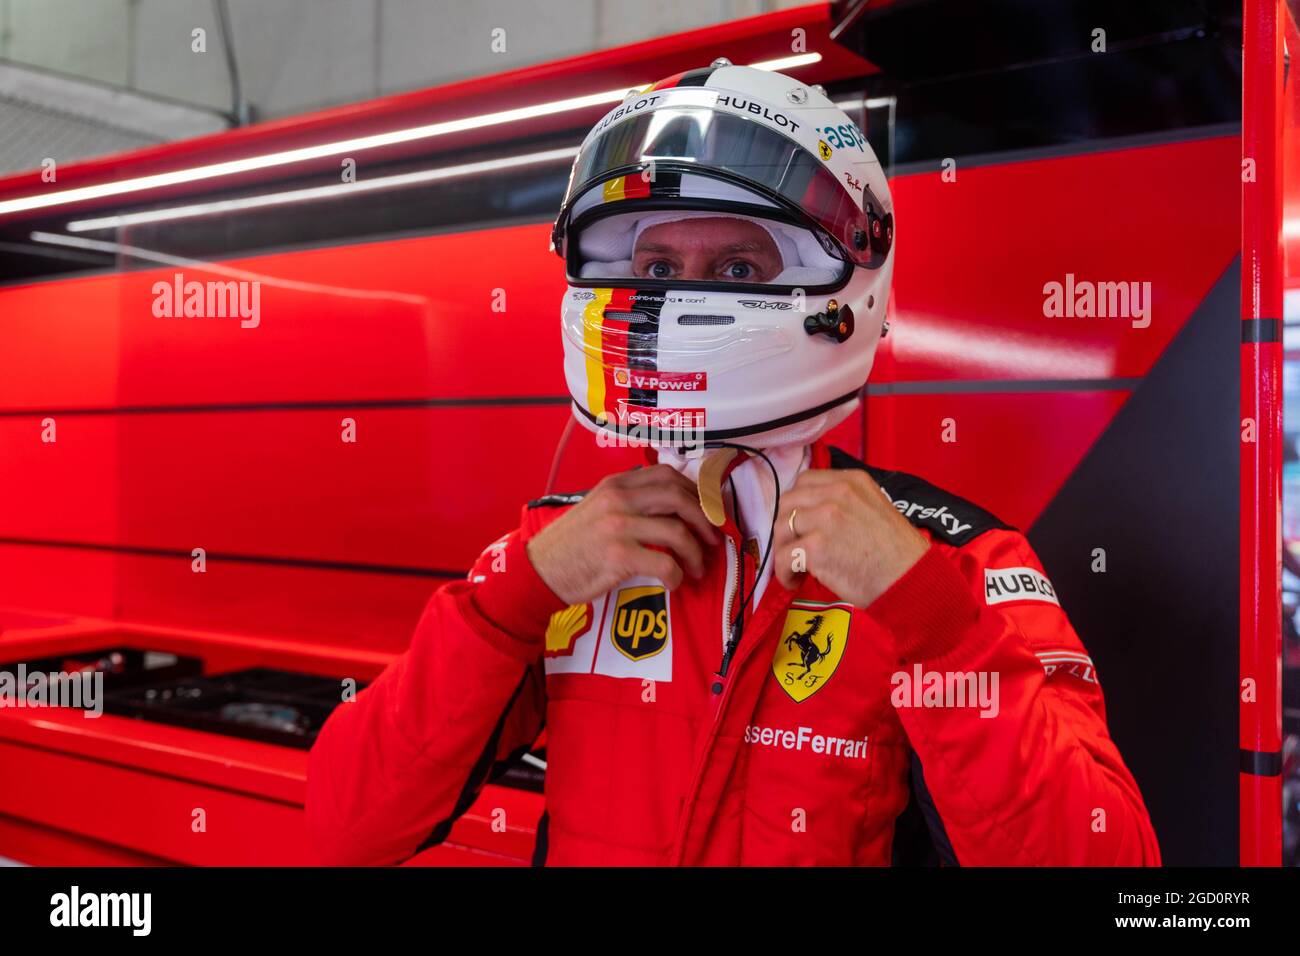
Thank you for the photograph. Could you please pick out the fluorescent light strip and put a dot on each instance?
(788, 62)
(318, 192)
(346, 146)
(340, 147)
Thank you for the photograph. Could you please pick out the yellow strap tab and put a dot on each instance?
(709, 484)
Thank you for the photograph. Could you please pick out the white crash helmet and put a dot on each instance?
(674, 361)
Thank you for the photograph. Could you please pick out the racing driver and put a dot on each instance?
(754, 649)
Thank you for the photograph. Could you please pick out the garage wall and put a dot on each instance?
(296, 55)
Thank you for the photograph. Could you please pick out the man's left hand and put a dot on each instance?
(852, 539)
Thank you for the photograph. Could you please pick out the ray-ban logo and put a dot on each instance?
(214, 299)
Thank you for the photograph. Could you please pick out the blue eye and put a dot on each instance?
(739, 270)
(659, 270)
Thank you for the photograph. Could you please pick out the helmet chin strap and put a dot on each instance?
(717, 466)
(784, 451)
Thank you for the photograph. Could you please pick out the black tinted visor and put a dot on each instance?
(709, 142)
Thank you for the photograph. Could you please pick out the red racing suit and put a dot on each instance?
(961, 697)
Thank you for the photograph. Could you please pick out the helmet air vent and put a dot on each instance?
(706, 319)
(622, 315)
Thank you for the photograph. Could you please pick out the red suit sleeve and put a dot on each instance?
(392, 770)
(1038, 781)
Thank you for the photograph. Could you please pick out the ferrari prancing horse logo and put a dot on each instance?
(811, 647)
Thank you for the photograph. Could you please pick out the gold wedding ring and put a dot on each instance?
(793, 512)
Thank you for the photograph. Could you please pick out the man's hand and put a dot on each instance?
(616, 532)
(852, 539)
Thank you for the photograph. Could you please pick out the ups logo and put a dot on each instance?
(640, 628)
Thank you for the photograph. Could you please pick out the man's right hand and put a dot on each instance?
(617, 531)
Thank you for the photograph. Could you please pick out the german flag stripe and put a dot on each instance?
(614, 345)
(696, 77)
(635, 186)
(631, 186)
(614, 349)
(667, 182)
(686, 78)
(668, 82)
(613, 189)
(593, 318)
(644, 356)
